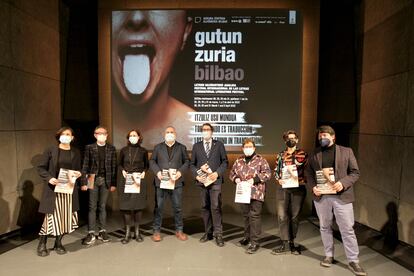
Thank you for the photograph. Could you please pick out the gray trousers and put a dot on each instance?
(326, 208)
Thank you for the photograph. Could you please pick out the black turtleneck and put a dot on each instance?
(248, 158)
(328, 157)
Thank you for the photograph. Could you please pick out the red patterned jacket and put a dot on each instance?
(258, 169)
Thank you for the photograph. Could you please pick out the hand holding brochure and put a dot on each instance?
(290, 177)
(91, 181)
(133, 183)
(67, 179)
(203, 173)
(243, 192)
(168, 179)
(325, 178)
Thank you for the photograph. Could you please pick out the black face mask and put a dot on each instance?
(290, 143)
(324, 142)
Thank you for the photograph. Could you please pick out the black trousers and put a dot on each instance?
(252, 220)
(211, 210)
(289, 205)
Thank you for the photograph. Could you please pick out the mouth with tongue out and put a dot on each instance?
(136, 66)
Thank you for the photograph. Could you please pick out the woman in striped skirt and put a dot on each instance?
(59, 208)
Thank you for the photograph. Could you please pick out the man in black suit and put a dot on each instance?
(342, 161)
(169, 155)
(210, 157)
(100, 162)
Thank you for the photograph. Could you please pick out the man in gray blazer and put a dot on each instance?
(210, 156)
(346, 172)
(169, 155)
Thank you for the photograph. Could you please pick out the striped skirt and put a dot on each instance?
(63, 220)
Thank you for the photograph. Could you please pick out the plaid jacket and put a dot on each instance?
(284, 159)
(257, 168)
(91, 162)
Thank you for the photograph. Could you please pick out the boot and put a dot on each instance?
(41, 248)
(138, 236)
(58, 245)
(127, 237)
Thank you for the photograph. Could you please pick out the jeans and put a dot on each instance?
(97, 200)
(289, 205)
(175, 196)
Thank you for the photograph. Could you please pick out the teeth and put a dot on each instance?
(136, 73)
(136, 45)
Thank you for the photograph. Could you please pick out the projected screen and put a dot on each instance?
(239, 70)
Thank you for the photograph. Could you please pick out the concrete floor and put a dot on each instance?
(173, 257)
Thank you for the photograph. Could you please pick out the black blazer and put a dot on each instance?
(217, 160)
(90, 163)
(346, 171)
(47, 169)
(179, 160)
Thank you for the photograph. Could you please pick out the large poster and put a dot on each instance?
(239, 70)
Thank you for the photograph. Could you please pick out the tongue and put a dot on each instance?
(136, 73)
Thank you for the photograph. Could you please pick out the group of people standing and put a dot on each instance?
(208, 164)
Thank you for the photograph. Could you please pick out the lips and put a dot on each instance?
(136, 66)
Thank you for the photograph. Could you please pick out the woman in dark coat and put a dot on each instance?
(60, 209)
(132, 159)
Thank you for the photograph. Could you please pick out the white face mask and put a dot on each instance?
(248, 151)
(133, 139)
(169, 137)
(65, 139)
(206, 135)
(101, 138)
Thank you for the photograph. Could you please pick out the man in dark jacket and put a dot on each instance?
(337, 167)
(167, 156)
(99, 167)
(209, 156)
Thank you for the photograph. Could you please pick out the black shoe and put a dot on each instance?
(127, 236)
(219, 240)
(356, 269)
(58, 245)
(42, 248)
(103, 236)
(295, 250)
(89, 239)
(281, 249)
(327, 262)
(252, 248)
(138, 236)
(206, 237)
(243, 242)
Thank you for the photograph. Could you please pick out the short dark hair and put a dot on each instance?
(98, 127)
(326, 129)
(209, 125)
(286, 134)
(61, 130)
(139, 134)
(247, 141)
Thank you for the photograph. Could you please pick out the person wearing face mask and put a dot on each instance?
(132, 159)
(169, 154)
(100, 163)
(253, 168)
(290, 200)
(60, 209)
(346, 171)
(209, 155)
